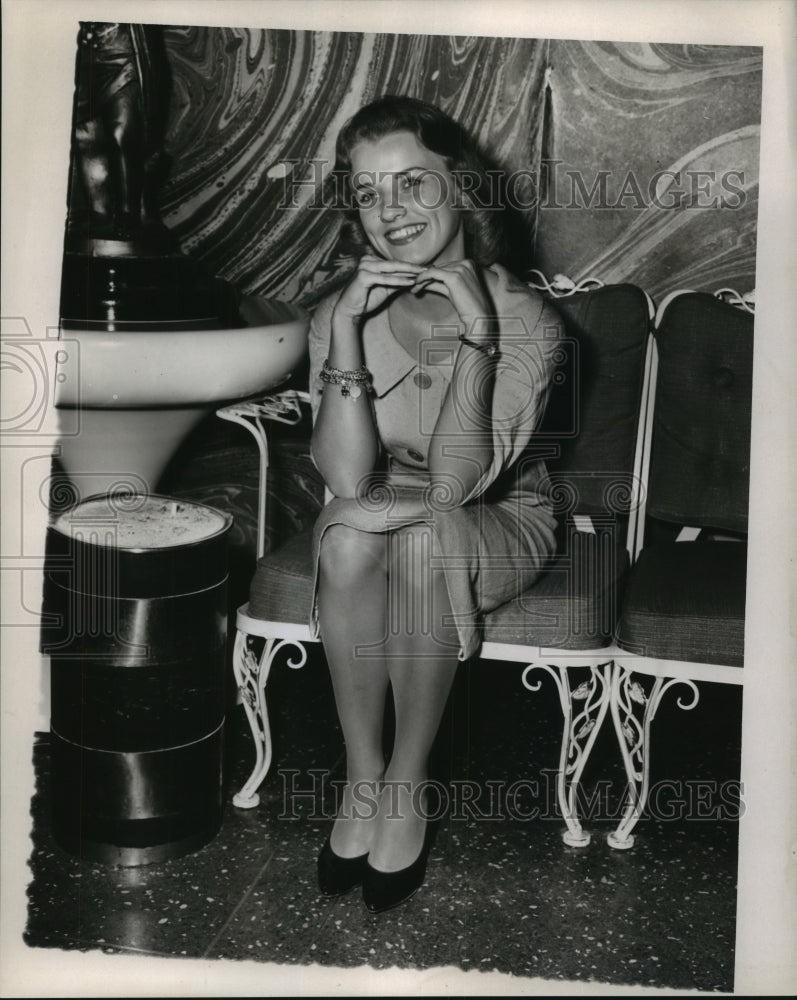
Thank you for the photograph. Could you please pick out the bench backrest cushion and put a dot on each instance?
(700, 459)
(593, 409)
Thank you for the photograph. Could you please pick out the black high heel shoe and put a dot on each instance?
(337, 875)
(384, 890)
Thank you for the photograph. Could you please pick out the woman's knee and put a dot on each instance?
(348, 556)
(415, 563)
(412, 551)
(419, 592)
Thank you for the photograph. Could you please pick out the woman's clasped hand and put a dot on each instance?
(376, 280)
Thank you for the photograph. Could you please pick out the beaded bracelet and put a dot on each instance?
(351, 383)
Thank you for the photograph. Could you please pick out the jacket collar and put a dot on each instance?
(385, 358)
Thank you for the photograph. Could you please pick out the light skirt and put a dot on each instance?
(490, 550)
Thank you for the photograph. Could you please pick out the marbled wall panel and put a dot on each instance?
(634, 110)
(252, 110)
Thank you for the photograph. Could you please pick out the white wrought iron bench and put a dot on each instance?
(592, 439)
(682, 617)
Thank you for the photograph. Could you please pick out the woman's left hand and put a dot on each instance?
(462, 284)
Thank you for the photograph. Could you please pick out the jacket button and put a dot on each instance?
(422, 380)
(416, 456)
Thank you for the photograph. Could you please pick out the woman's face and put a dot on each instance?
(405, 196)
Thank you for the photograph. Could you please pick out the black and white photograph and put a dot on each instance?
(397, 440)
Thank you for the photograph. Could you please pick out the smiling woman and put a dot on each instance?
(425, 163)
(406, 200)
(429, 374)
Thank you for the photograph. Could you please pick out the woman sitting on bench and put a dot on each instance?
(429, 375)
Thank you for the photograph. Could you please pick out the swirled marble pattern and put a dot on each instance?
(254, 115)
(253, 121)
(637, 112)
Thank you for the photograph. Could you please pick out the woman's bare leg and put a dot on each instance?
(352, 598)
(421, 656)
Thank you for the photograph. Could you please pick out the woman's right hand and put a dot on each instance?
(372, 283)
(345, 444)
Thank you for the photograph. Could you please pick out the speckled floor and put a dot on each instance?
(502, 891)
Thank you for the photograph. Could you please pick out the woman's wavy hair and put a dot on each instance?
(484, 234)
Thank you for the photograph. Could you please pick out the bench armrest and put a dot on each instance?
(284, 407)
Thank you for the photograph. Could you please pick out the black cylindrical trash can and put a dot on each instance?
(135, 625)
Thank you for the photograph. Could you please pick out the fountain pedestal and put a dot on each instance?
(136, 626)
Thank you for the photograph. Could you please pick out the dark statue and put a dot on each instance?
(122, 267)
(121, 107)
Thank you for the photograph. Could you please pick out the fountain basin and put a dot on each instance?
(128, 398)
(133, 369)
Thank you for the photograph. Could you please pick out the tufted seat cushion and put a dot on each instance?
(593, 407)
(572, 606)
(700, 466)
(282, 587)
(685, 601)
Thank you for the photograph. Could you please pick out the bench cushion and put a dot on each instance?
(700, 465)
(593, 406)
(685, 601)
(282, 587)
(572, 606)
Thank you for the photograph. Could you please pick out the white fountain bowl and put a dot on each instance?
(127, 399)
(131, 369)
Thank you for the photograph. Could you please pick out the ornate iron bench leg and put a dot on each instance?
(580, 730)
(628, 701)
(251, 675)
(251, 672)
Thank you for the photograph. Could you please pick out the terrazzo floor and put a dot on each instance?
(502, 890)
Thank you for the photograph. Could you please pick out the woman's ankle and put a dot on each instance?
(406, 781)
(359, 799)
(400, 828)
(358, 806)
